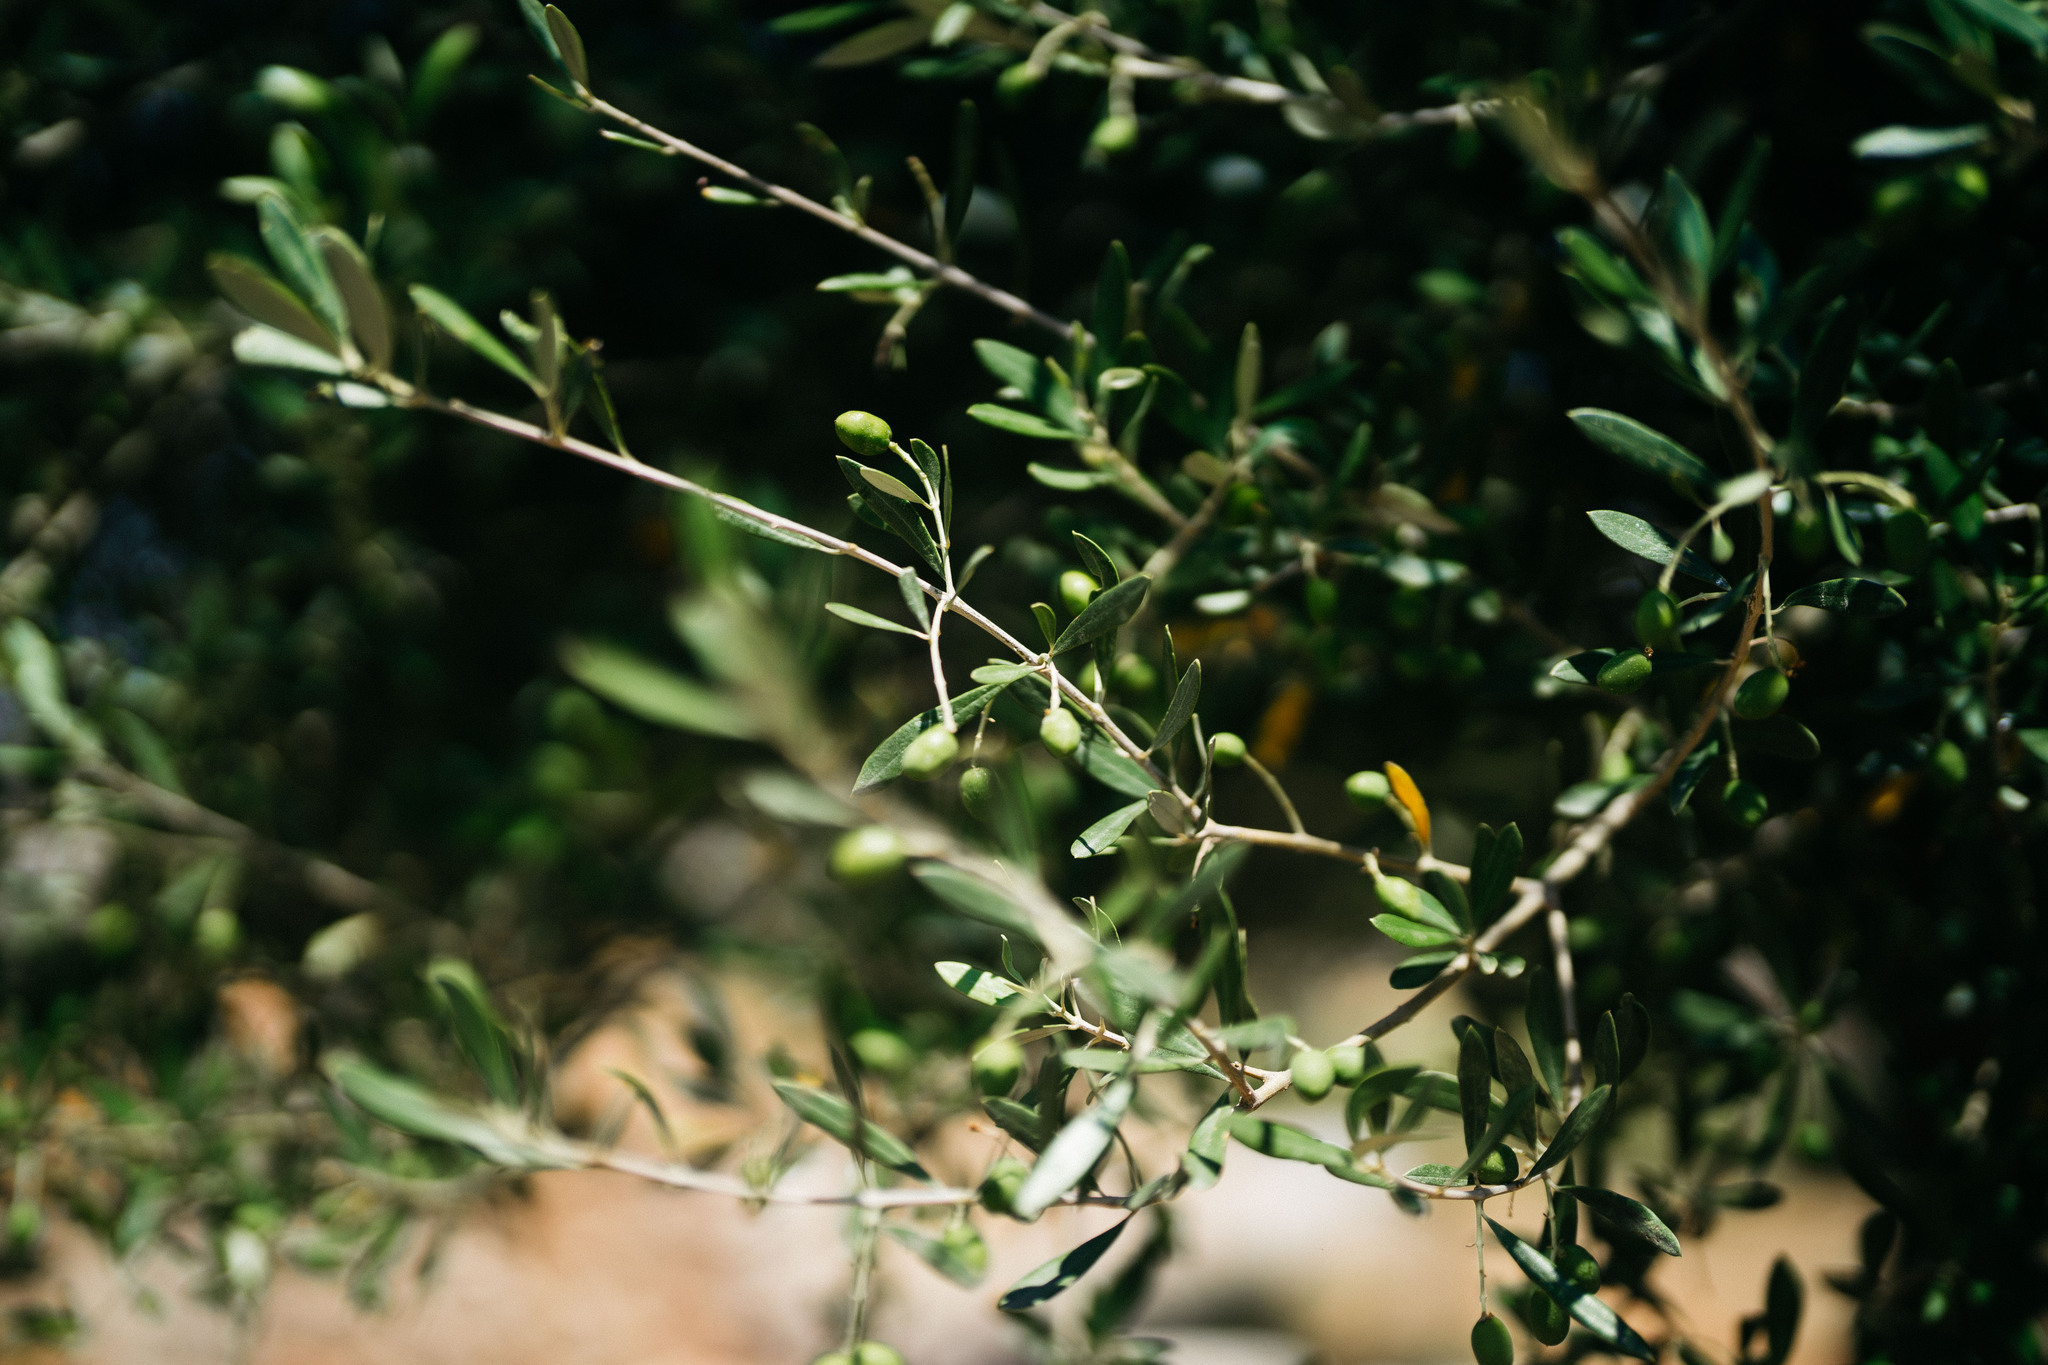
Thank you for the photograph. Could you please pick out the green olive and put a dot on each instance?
(1397, 897)
(216, 932)
(1761, 694)
(882, 1050)
(867, 855)
(875, 1353)
(1624, 673)
(1319, 595)
(997, 1067)
(1226, 750)
(1746, 803)
(1657, 620)
(978, 793)
(1017, 81)
(1349, 1063)
(931, 753)
(1133, 676)
(1497, 1167)
(1114, 135)
(1951, 764)
(1577, 1265)
(999, 1187)
(1548, 1322)
(1313, 1074)
(1060, 732)
(863, 433)
(1367, 789)
(1491, 1342)
(1076, 591)
(111, 930)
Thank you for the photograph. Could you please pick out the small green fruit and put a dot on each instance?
(931, 753)
(1497, 1167)
(1397, 897)
(1906, 540)
(1313, 1073)
(1349, 1063)
(1761, 694)
(1226, 750)
(1951, 764)
(999, 1187)
(863, 433)
(1548, 1322)
(997, 1067)
(1367, 789)
(881, 1050)
(875, 1353)
(865, 856)
(1747, 805)
(978, 793)
(1076, 590)
(1657, 620)
(1624, 673)
(1491, 1343)
(111, 930)
(1133, 676)
(216, 932)
(1060, 732)
(1577, 1265)
(1115, 135)
(1319, 595)
(1016, 82)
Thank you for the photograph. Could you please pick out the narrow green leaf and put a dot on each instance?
(837, 1118)
(1625, 1215)
(1250, 367)
(984, 988)
(1605, 1054)
(369, 317)
(889, 39)
(1632, 1034)
(1071, 1155)
(1182, 708)
(410, 1108)
(1016, 1118)
(1575, 1128)
(1591, 1311)
(870, 620)
(1735, 209)
(960, 185)
(1545, 1022)
(974, 898)
(478, 1029)
(261, 345)
(250, 288)
(885, 764)
(569, 44)
(960, 1255)
(1511, 1066)
(1647, 449)
(1112, 295)
(1108, 610)
(1850, 596)
(1100, 837)
(1639, 537)
(1375, 1089)
(1070, 480)
(1503, 1121)
(653, 693)
(1409, 934)
(820, 17)
(1475, 1086)
(1286, 1142)
(1685, 229)
(1783, 1299)
(299, 260)
(1096, 560)
(892, 485)
(1418, 970)
(2010, 19)
(1059, 1274)
(1020, 423)
(1496, 859)
(453, 319)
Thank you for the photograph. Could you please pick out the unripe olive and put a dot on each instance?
(1313, 1074)
(931, 753)
(1577, 1265)
(1657, 620)
(1905, 541)
(1060, 732)
(216, 932)
(111, 930)
(1367, 789)
(1134, 676)
(875, 1353)
(863, 433)
(1089, 679)
(881, 1050)
(1349, 1063)
(1497, 1167)
(1076, 591)
(1624, 673)
(1951, 764)
(1761, 694)
(1747, 805)
(1226, 750)
(1016, 82)
(999, 1187)
(1491, 1343)
(867, 855)
(1114, 135)
(1319, 595)
(997, 1067)
(1547, 1320)
(978, 793)
(1397, 897)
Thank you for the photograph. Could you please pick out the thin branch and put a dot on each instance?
(939, 270)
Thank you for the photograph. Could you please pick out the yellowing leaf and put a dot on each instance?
(1410, 797)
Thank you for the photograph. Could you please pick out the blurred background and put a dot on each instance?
(338, 631)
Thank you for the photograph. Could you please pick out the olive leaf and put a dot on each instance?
(1640, 538)
(1101, 837)
(479, 1031)
(1059, 1274)
(1591, 1311)
(836, 1117)
(1850, 596)
(1496, 858)
(250, 288)
(1643, 447)
(885, 764)
(984, 988)
(1072, 1154)
(452, 318)
(653, 693)
(1182, 708)
(974, 898)
(1625, 1215)
(1577, 1126)
(1105, 612)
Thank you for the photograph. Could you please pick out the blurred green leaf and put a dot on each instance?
(824, 1110)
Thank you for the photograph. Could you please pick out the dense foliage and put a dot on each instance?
(331, 665)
